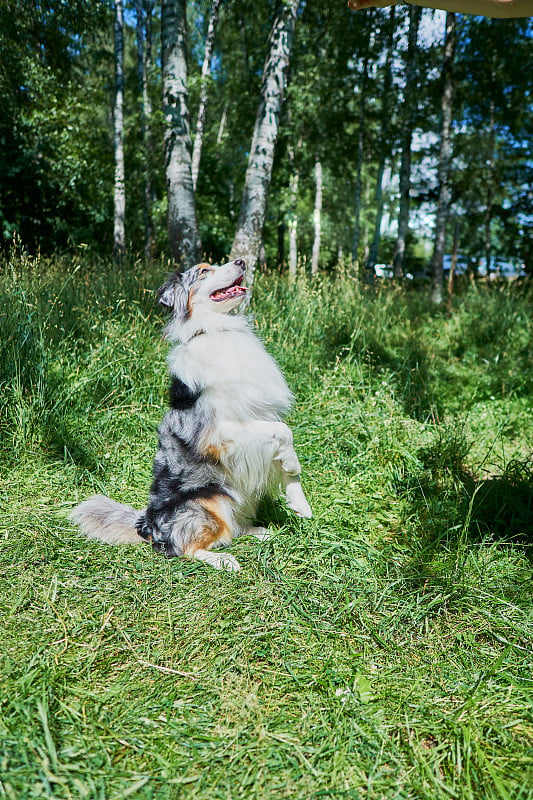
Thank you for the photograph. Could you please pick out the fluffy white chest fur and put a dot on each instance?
(241, 380)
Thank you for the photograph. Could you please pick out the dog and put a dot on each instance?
(223, 444)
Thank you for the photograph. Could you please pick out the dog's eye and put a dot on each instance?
(204, 271)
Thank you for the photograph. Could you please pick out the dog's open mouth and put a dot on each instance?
(235, 290)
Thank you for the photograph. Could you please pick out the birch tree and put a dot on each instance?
(143, 10)
(202, 105)
(316, 217)
(443, 202)
(183, 236)
(293, 218)
(384, 146)
(247, 239)
(359, 161)
(119, 196)
(406, 138)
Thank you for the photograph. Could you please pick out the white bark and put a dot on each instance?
(119, 212)
(145, 111)
(443, 203)
(490, 186)
(182, 227)
(317, 217)
(202, 106)
(361, 114)
(247, 239)
(411, 83)
(384, 147)
(293, 226)
(222, 124)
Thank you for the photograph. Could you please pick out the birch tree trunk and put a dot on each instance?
(253, 204)
(317, 218)
(359, 163)
(406, 139)
(145, 114)
(202, 106)
(119, 197)
(182, 227)
(374, 247)
(383, 147)
(490, 186)
(293, 226)
(443, 203)
(453, 264)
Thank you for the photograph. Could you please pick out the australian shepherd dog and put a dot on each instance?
(222, 443)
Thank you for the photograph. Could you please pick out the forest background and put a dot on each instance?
(359, 144)
(383, 649)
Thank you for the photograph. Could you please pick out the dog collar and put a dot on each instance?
(201, 332)
(197, 333)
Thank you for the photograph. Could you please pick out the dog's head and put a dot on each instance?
(204, 288)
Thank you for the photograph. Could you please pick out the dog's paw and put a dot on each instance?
(262, 534)
(297, 501)
(222, 561)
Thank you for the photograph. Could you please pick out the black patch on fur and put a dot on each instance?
(167, 498)
(182, 397)
(167, 490)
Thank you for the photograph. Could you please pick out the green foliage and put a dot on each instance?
(55, 160)
(381, 650)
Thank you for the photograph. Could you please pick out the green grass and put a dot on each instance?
(381, 650)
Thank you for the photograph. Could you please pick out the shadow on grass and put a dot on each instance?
(411, 372)
(453, 511)
(502, 505)
(62, 444)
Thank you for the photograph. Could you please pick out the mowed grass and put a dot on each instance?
(381, 650)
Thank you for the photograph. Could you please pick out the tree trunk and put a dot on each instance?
(490, 187)
(119, 214)
(202, 106)
(408, 123)
(281, 243)
(383, 150)
(372, 259)
(359, 162)
(253, 204)
(293, 226)
(183, 236)
(222, 124)
(145, 113)
(443, 203)
(316, 217)
(453, 264)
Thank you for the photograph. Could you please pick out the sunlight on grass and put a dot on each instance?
(381, 650)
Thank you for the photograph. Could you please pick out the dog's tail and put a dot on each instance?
(99, 517)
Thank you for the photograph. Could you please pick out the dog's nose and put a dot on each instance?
(240, 262)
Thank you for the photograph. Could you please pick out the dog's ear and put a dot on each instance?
(174, 296)
(166, 295)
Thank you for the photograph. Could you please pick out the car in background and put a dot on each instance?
(387, 271)
(500, 268)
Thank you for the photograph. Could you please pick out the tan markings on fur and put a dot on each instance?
(218, 531)
(203, 265)
(189, 303)
(213, 452)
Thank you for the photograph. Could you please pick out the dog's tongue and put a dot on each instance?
(231, 291)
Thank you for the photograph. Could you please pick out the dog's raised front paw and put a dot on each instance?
(296, 500)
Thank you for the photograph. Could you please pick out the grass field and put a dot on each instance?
(381, 650)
